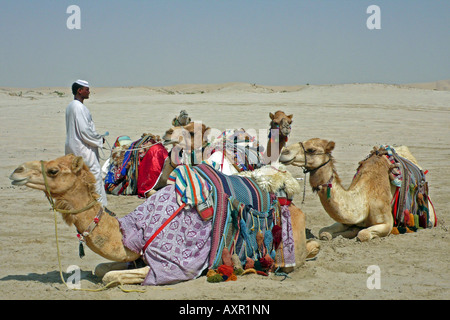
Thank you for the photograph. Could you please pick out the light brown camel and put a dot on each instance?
(281, 124)
(72, 186)
(362, 210)
(182, 138)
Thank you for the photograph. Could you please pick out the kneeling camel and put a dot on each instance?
(362, 210)
(72, 186)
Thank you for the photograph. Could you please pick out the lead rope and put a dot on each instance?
(305, 171)
(50, 199)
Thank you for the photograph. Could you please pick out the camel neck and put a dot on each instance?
(323, 176)
(335, 199)
(105, 238)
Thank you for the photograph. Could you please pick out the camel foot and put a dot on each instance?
(312, 248)
(325, 236)
(133, 276)
(364, 235)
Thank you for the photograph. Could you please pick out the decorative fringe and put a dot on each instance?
(81, 250)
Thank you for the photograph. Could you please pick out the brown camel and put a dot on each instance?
(189, 137)
(280, 124)
(182, 138)
(362, 210)
(72, 186)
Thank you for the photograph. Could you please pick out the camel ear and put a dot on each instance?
(77, 164)
(271, 115)
(329, 147)
(290, 116)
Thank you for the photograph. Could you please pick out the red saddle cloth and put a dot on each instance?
(150, 169)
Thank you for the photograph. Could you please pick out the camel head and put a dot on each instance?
(63, 174)
(182, 119)
(281, 121)
(188, 137)
(310, 154)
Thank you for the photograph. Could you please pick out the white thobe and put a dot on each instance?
(83, 140)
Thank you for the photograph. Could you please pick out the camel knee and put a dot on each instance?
(312, 249)
(325, 235)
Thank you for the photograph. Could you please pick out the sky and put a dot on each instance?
(268, 42)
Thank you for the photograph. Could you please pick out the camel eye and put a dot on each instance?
(311, 151)
(52, 171)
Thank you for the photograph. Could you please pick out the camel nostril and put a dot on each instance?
(19, 169)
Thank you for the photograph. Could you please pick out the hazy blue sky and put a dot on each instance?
(277, 42)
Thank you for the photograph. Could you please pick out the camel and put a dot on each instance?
(364, 209)
(186, 138)
(281, 123)
(191, 137)
(68, 181)
(181, 120)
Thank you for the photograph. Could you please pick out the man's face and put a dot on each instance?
(84, 92)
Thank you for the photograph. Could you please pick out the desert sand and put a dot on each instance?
(355, 116)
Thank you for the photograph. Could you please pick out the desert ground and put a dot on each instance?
(356, 117)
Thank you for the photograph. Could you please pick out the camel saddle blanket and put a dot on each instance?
(150, 169)
(243, 221)
(244, 217)
(410, 202)
(180, 251)
(140, 170)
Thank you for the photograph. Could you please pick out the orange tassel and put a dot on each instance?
(249, 264)
(225, 270)
(260, 241)
(226, 257)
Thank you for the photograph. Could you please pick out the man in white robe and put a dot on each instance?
(81, 137)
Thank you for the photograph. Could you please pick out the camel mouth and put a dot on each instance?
(18, 182)
(286, 162)
(170, 142)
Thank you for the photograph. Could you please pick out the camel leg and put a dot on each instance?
(133, 276)
(432, 214)
(375, 231)
(101, 269)
(312, 248)
(298, 220)
(338, 229)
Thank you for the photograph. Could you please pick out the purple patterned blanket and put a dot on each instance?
(181, 251)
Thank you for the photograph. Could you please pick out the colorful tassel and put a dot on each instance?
(225, 270)
(277, 235)
(249, 264)
(260, 241)
(236, 262)
(215, 278)
(226, 257)
(266, 262)
(81, 250)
